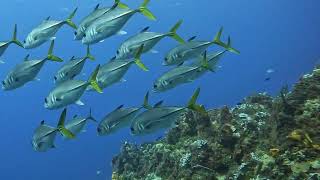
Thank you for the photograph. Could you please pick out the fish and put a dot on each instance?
(93, 16)
(269, 71)
(112, 22)
(129, 47)
(5, 44)
(70, 92)
(181, 75)
(27, 70)
(162, 117)
(72, 68)
(76, 124)
(46, 31)
(121, 117)
(113, 71)
(44, 135)
(192, 49)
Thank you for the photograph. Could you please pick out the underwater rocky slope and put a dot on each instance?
(260, 138)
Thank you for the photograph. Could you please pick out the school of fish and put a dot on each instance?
(98, 25)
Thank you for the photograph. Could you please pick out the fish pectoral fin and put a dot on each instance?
(36, 79)
(80, 103)
(122, 32)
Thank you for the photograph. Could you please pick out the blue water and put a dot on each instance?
(282, 35)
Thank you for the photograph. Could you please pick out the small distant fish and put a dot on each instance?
(112, 22)
(44, 135)
(5, 44)
(27, 70)
(70, 92)
(72, 68)
(46, 31)
(267, 79)
(149, 39)
(193, 49)
(269, 71)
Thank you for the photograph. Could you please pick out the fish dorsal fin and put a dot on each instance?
(75, 116)
(145, 29)
(42, 122)
(192, 38)
(180, 64)
(158, 104)
(113, 58)
(97, 7)
(72, 58)
(27, 57)
(119, 107)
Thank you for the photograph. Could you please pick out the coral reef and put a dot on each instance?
(260, 138)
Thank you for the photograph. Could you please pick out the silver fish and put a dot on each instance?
(129, 47)
(157, 118)
(94, 15)
(117, 119)
(76, 124)
(122, 117)
(193, 49)
(5, 44)
(181, 75)
(27, 71)
(112, 22)
(44, 135)
(70, 92)
(113, 71)
(46, 31)
(72, 68)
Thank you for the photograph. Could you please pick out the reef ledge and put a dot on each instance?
(262, 137)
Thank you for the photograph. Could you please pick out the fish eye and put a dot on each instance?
(16, 79)
(3, 83)
(118, 52)
(84, 35)
(24, 41)
(99, 130)
(155, 86)
(166, 59)
(58, 99)
(75, 33)
(55, 78)
(45, 100)
(132, 129)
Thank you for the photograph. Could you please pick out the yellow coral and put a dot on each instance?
(296, 135)
(115, 176)
(274, 152)
(299, 135)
